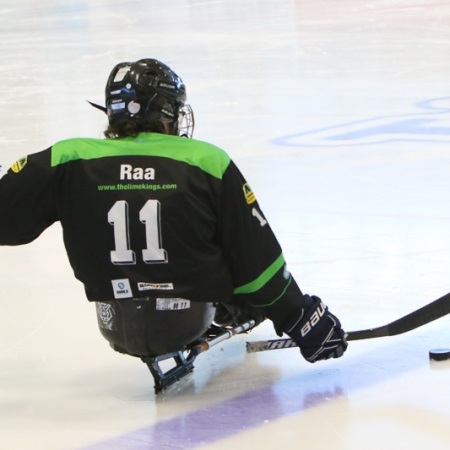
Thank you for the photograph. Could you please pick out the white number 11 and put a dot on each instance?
(150, 216)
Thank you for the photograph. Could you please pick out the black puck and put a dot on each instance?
(440, 354)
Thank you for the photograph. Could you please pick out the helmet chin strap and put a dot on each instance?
(168, 127)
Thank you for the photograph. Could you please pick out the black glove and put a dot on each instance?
(316, 331)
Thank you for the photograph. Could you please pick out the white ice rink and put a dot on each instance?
(338, 113)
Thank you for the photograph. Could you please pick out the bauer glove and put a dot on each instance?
(316, 331)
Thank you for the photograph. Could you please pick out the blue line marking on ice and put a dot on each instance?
(429, 125)
(259, 407)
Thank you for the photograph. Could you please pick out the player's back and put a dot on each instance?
(140, 216)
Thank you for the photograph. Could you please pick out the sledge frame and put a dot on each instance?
(184, 359)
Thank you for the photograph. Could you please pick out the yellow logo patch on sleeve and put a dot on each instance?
(249, 195)
(19, 165)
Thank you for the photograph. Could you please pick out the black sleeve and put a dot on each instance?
(27, 199)
(251, 249)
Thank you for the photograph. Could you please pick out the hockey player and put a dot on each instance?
(163, 230)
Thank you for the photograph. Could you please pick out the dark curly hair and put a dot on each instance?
(132, 127)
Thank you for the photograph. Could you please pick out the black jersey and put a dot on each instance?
(155, 216)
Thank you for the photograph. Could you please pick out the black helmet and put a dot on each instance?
(148, 90)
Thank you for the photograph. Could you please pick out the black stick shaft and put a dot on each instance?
(428, 313)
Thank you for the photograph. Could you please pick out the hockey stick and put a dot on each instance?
(428, 313)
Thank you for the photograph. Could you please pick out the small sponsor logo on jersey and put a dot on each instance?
(19, 165)
(155, 286)
(128, 172)
(122, 288)
(249, 195)
(172, 304)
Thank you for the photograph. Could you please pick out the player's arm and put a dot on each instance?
(27, 199)
(261, 277)
(251, 249)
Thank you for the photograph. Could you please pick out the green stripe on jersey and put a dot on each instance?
(207, 157)
(259, 282)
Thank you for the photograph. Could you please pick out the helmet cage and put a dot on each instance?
(186, 122)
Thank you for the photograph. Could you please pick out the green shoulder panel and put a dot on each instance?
(207, 157)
